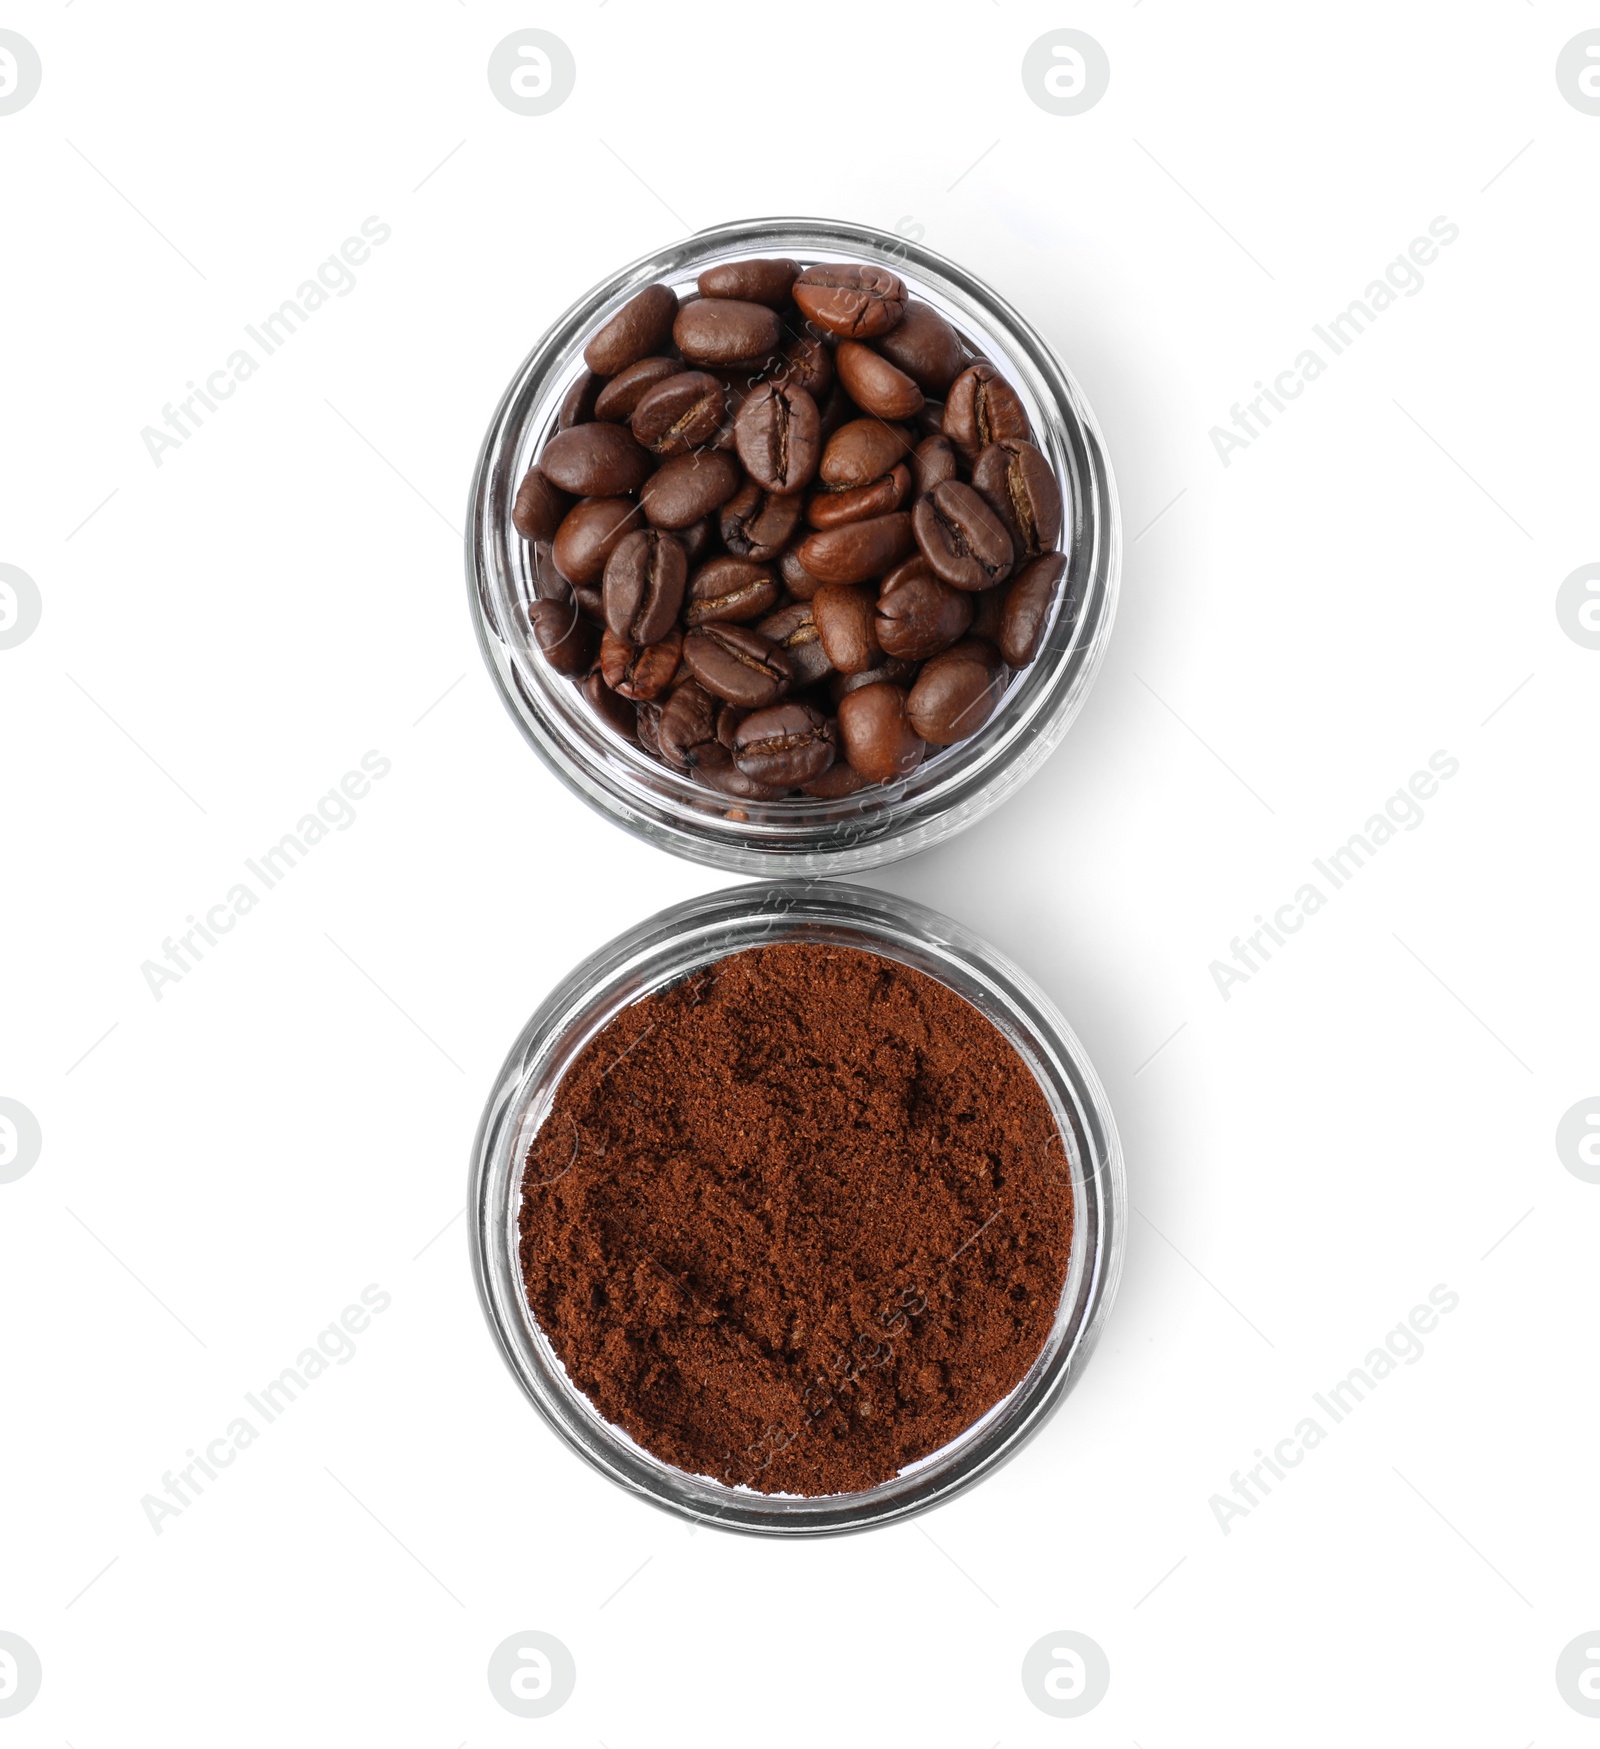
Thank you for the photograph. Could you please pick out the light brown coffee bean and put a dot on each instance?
(956, 692)
(844, 619)
(861, 451)
(859, 551)
(828, 509)
(640, 671)
(588, 534)
(877, 735)
(851, 300)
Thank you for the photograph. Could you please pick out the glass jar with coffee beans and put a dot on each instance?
(791, 531)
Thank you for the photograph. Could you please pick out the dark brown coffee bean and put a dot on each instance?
(580, 400)
(729, 717)
(591, 603)
(757, 282)
(725, 331)
(588, 533)
(891, 671)
(1026, 612)
(875, 385)
(930, 421)
(859, 551)
(844, 614)
(777, 435)
(917, 615)
(611, 707)
(640, 329)
(961, 537)
(644, 583)
(807, 364)
(1019, 485)
(794, 630)
(828, 509)
(862, 451)
(956, 692)
(987, 607)
(628, 387)
(688, 487)
(565, 638)
(758, 524)
(932, 463)
(640, 671)
(539, 507)
(924, 345)
(729, 780)
(982, 408)
(687, 733)
(848, 299)
(595, 461)
(877, 735)
(679, 414)
(647, 726)
(548, 583)
(796, 578)
(841, 779)
(731, 591)
(785, 745)
(737, 664)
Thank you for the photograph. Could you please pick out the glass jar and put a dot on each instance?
(664, 950)
(953, 786)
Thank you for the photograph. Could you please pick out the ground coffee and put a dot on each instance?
(798, 1220)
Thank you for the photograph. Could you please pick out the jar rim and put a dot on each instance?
(670, 946)
(956, 785)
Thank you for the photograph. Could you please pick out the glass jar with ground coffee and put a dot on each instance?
(793, 548)
(796, 1209)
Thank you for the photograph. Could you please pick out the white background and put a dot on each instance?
(224, 636)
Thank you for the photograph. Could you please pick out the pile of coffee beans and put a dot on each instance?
(791, 532)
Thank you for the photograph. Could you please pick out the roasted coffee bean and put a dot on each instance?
(680, 413)
(828, 509)
(729, 590)
(841, 779)
(729, 717)
(876, 386)
(987, 607)
(640, 671)
(591, 603)
(891, 671)
(796, 578)
(640, 329)
(956, 692)
(961, 537)
(647, 726)
(725, 331)
(982, 408)
(539, 507)
(644, 583)
(687, 732)
(729, 780)
(917, 615)
(777, 435)
(758, 524)
(737, 664)
(548, 583)
(628, 387)
(930, 421)
(861, 451)
(688, 487)
(932, 463)
(1026, 612)
(588, 533)
(785, 745)
(858, 551)
(756, 282)
(611, 707)
(807, 364)
(794, 630)
(696, 538)
(850, 300)
(924, 345)
(580, 400)
(877, 735)
(595, 461)
(1019, 485)
(844, 614)
(565, 638)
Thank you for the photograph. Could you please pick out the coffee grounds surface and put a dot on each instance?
(798, 1220)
